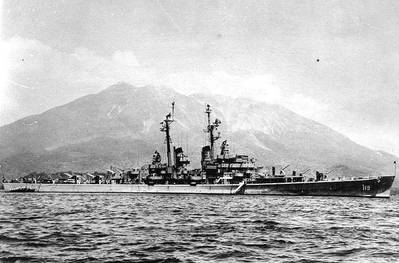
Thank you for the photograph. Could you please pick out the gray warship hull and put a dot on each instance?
(369, 187)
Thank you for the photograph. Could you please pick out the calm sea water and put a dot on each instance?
(190, 228)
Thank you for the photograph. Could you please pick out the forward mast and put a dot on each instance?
(169, 118)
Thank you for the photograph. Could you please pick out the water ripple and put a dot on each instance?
(187, 228)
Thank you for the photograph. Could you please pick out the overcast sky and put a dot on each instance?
(336, 62)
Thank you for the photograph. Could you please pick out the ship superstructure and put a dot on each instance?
(224, 167)
(175, 170)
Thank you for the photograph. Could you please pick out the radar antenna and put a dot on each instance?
(173, 110)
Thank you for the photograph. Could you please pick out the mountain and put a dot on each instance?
(120, 126)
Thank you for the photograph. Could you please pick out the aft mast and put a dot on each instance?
(211, 129)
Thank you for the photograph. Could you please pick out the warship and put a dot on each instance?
(220, 173)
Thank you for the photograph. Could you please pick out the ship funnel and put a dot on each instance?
(205, 155)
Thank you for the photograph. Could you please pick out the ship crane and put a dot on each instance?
(211, 129)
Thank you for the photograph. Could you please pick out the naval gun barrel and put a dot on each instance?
(305, 171)
(330, 171)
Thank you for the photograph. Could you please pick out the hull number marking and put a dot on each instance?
(366, 187)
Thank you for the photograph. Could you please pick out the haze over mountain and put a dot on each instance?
(120, 126)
